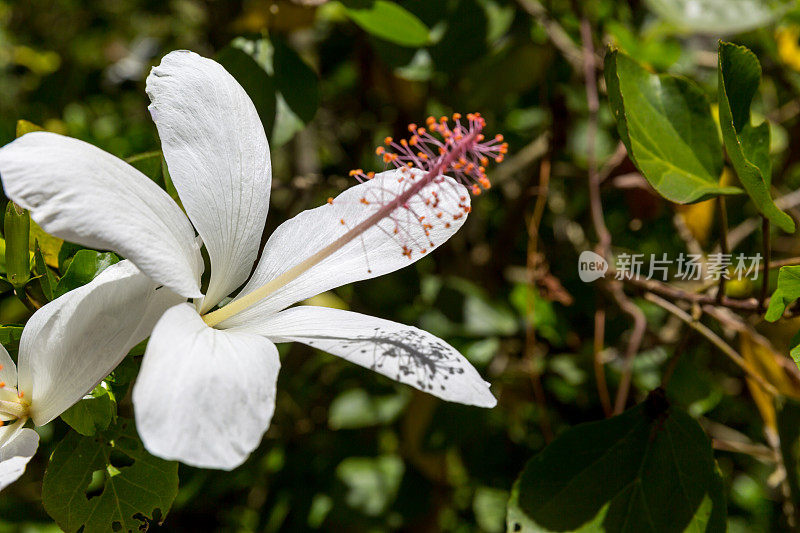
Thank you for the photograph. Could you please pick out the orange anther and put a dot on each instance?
(330, 199)
(380, 150)
(341, 220)
(456, 116)
(388, 140)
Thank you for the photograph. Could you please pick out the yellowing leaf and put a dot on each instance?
(49, 245)
(764, 360)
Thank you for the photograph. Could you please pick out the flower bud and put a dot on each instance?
(16, 229)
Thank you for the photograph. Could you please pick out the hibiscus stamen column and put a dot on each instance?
(439, 149)
(14, 410)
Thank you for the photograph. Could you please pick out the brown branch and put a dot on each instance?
(723, 243)
(531, 353)
(599, 369)
(557, 35)
(715, 339)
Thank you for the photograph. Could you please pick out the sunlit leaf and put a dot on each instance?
(23, 127)
(718, 16)
(389, 21)
(747, 145)
(787, 291)
(83, 268)
(648, 469)
(50, 246)
(666, 124)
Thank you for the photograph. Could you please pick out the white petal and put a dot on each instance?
(15, 455)
(82, 194)
(71, 344)
(376, 252)
(404, 353)
(204, 397)
(218, 159)
(8, 370)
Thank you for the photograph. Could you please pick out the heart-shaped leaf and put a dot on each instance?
(666, 125)
(747, 145)
(648, 469)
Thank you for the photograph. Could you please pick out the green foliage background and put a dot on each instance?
(349, 450)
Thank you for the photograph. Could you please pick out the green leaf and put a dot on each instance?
(795, 353)
(787, 291)
(666, 124)
(136, 487)
(718, 16)
(358, 409)
(47, 280)
(257, 83)
(372, 482)
(50, 246)
(747, 146)
(10, 335)
(23, 127)
(649, 469)
(83, 268)
(93, 413)
(388, 21)
(148, 163)
(296, 81)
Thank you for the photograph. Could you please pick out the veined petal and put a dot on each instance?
(71, 344)
(376, 252)
(218, 159)
(204, 397)
(15, 455)
(403, 353)
(8, 370)
(80, 193)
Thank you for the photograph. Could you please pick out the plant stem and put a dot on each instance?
(599, 368)
(715, 339)
(723, 243)
(765, 239)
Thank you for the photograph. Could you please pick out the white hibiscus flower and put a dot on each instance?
(206, 390)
